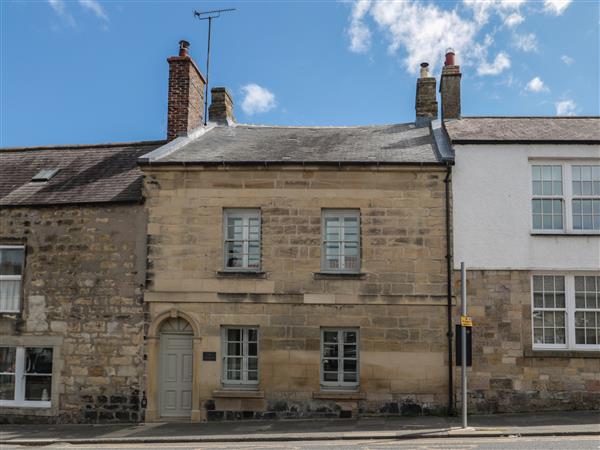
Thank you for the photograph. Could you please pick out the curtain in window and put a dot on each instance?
(9, 295)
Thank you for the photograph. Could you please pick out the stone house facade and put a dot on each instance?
(526, 218)
(72, 265)
(296, 271)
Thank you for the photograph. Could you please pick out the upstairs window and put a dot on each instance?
(341, 241)
(565, 198)
(586, 197)
(547, 203)
(242, 239)
(11, 273)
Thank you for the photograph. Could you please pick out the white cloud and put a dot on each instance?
(536, 85)
(525, 42)
(257, 99)
(500, 64)
(567, 59)
(513, 20)
(565, 107)
(556, 7)
(483, 9)
(60, 8)
(94, 7)
(360, 35)
(423, 30)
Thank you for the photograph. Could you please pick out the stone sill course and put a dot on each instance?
(238, 393)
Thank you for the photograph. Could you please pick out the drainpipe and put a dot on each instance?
(449, 289)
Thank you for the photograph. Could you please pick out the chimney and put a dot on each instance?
(450, 87)
(221, 106)
(426, 103)
(186, 94)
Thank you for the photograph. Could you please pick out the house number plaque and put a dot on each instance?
(209, 356)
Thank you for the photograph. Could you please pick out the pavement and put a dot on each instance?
(571, 423)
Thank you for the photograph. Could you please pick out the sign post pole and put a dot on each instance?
(463, 331)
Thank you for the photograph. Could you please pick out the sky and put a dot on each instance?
(94, 71)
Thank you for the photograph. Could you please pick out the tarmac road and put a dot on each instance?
(500, 443)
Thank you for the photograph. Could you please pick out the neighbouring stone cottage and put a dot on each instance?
(295, 271)
(72, 269)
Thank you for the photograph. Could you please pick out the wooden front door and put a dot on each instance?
(176, 368)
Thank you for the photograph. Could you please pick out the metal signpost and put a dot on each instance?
(464, 322)
(209, 15)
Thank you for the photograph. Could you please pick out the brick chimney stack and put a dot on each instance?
(221, 106)
(186, 94)
(426, 103)
(450, 87)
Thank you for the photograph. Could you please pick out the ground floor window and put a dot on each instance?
(240, 355)
(25, 376)
(566, 311)
(339, 357)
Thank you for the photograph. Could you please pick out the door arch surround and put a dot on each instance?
(183, 328)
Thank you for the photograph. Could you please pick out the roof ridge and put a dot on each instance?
(83, 146)
(252, 125)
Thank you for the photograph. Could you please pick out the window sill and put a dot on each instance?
(539, 353)
(339, 395)
(238, 393)
(25, 405)
(567, 234)
(241, 274)
(339, 275)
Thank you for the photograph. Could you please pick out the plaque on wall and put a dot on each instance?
(209, 356)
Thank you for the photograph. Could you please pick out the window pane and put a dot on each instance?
(11, 261)
(538, 335)
(252, 363)
(330, 376)
(7, 387)
(580, 336)
(349, 365)
(349, 337)
(234, 334)
(536, 172)
(330, 336)
(330, 351)
(350, 351)
(252, 349)
(560, 300)
(537, 283)
(330, 365)
(252, 375)
(234, 364)
(350, 377)
(234, 375)
(560, 336)
(8, 359)
(38, 388)
(38, 360)
(234, 349)
(537, 319)
(548, 336)
(253, 335)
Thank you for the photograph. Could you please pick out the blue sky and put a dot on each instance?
(87, 71)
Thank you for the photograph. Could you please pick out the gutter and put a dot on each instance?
(146, 162)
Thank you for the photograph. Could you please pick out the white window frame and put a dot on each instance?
(20, 378)
(583, 196)
(570, 309)
(245, 215)
(18, 278)
(551, 197)
(567, 193)
(243, 382)
(340, 214)
(340, 384)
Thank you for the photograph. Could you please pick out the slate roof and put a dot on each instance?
(505, 130)
(240, 144)
(87, 174)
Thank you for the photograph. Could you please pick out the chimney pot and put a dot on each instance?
(450, 87)
(449, 57)
(424, 70)
(183, 48)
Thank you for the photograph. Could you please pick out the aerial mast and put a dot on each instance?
(209, 15)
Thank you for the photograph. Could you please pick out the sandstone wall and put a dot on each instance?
(397, 302)
(507, 375)
(84, 274)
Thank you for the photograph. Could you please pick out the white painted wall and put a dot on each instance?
(492, 210)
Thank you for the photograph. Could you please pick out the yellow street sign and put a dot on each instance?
(466, 321)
